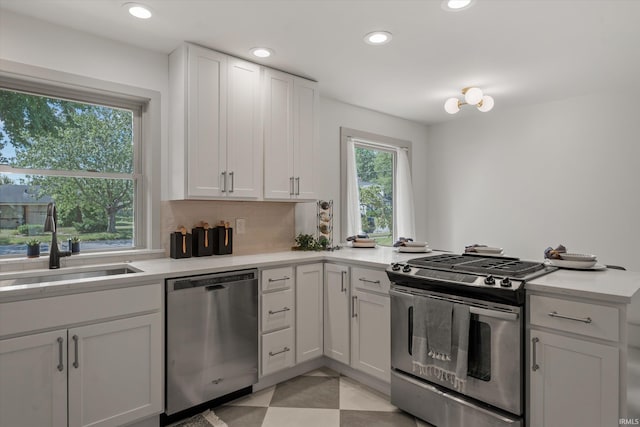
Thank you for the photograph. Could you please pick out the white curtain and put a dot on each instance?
(354, 224)
(404, 212)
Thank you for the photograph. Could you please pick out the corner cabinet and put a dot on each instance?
(290, 136)
(215, 147)
(105, 373)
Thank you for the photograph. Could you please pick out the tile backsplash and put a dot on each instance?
(270, 226)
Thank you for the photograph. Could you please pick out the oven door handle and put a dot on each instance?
(494, 313)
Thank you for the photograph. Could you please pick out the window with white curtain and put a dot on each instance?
(377, 195)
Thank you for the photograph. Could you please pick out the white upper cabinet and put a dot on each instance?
(215, 128)
(290, 136)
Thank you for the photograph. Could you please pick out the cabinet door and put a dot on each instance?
(207, 122)
(305, 138)
(371, 334)
(336, 312)
(33, 380)
(244, 138)
(309, 285)
(575, 383)
(278, 135)
(115, 371)
(277, 351)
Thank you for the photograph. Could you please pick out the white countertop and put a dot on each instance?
(609, 285)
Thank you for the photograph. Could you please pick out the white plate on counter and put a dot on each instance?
(414, 249)
(577, 265)
(486, 250)
(363, 244)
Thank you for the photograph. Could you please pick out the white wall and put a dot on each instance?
(561, 172)
(335, 114)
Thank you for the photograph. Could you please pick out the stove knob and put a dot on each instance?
(490, 281)
(406, 269)
(395, 267)
(505, 283)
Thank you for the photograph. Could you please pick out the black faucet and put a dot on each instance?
(50, 224)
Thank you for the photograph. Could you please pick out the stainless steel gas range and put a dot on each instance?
(457, 338)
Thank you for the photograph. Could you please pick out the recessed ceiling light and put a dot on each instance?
(261, 52)
(457, 5)
(138, 10)
(378, 38)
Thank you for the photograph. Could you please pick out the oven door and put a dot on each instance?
(494, 374)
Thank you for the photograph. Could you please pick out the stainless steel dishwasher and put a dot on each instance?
(212, 337)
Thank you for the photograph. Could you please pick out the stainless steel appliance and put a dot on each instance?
(492, 288)
(212, 337)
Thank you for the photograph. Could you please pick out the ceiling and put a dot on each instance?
(519, 51)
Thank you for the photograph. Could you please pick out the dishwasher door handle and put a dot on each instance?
(215, 287)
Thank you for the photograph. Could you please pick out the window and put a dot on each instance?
(80, 152)
(377, 195)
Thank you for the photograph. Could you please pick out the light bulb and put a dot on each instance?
(452, 105)
(458, 4)
(261, 52)
(487, 104)
(473, 95)
(378, 37)
(138, 10)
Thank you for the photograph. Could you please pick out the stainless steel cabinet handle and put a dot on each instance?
(291, 186)
(279, 280)
(342, 287)
(298, 186)
(354, 300)
(375, 282)
(232, 182)
(577, 319)
(284, 350)
(279, 311)
(534, 363)
(75, 346)
(60, 355)
(224, 181)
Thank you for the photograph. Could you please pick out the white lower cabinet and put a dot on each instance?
(309, 313)
(371, 334)
(336, 312)
(111, 372)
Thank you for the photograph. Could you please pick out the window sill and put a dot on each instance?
(25, 264)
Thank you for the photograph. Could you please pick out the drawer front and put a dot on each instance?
(277, 278)
(277, 310)
(277, 351)
(593, 320)
(371, 280)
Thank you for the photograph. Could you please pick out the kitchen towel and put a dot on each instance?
(441, 340)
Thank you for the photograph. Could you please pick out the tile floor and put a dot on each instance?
(321, 398)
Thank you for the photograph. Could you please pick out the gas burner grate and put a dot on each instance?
(502, 266)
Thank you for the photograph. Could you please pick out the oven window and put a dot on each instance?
(479, 350)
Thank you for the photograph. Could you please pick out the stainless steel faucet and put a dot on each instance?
(50, 224)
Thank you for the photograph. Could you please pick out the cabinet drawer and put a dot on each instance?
(277, 278)
(277, 310)
(593, 320)
(372, 280)
(277, 351)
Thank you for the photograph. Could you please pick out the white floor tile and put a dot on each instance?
(316, 373)
(355, 396)
(260, 398)
(296, 417)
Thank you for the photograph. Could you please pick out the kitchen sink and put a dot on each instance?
(70, 275)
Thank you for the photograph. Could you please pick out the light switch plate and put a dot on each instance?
(241, 225)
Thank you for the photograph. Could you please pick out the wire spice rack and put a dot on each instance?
(325, 223)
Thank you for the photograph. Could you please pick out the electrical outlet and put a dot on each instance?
(241, 225)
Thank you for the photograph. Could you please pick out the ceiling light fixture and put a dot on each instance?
(377, 38)
(456, 5)
(138, 10)
(261, 52)
(472, 96)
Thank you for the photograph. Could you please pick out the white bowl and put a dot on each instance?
(579, 265)
(577, 257)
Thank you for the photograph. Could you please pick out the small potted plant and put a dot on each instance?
(33, 248)
(75, 245)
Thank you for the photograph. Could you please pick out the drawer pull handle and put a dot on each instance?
(577, 319)
(534, 362)
(278, 280)
(279, 311)
(375, 282)
(75, 345)
(284, 350)
(60, 355)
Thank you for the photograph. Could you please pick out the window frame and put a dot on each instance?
(145, 105)
(376, 142)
